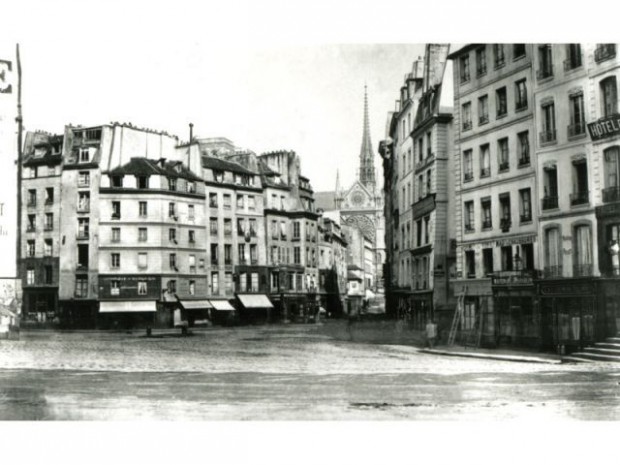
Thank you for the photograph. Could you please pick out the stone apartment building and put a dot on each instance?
(40, 218)
(432, 209)
(536, 174)
(332, 267)
(576, 101)
(418, 188)
(151, 240)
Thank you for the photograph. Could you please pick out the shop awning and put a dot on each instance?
(254, 301)
(131, 306)
(196, 304)
(222, 305)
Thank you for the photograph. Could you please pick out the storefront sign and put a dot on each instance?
(516, 240)
(567, 289)
(122, 287)
(605, 127)
(521, 280)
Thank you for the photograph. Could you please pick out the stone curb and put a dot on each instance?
(506, 358)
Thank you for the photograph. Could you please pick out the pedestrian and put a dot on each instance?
(431, 333)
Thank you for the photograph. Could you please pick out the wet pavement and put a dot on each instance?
(283, 373)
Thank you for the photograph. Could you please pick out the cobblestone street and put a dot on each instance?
(292, 373)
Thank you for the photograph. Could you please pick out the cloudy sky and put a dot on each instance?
(163, 68)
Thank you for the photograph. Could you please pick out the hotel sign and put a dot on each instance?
(605, 127)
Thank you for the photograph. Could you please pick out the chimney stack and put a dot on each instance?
(191, 132)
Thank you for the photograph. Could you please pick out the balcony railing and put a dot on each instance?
(547, 137)
(469, 228)
(582, 270)
(611, 194)
(552, 271)
(524, 160)
(580, 198)
(468, 176)
(486, 224)
(604, 52)
(521, 105)
(499, 62)
(505, 224)
(572, 63)
(504, 166)
(577, 129)
(526, 218)
(549, 202)
(483, 120)
(544, 73)
(466, 125)
(481, 71)
(484, 172)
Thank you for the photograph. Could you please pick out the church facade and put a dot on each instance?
(360, 206)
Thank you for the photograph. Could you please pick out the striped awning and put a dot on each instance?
(127, 306)
(222, 305)
(254, 301)
(196, 304)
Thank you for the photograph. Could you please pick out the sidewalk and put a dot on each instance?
(495, 354)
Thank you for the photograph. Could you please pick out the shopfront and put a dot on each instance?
(517, 317)
(570, 315)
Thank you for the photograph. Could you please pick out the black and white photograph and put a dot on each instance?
(215, 214)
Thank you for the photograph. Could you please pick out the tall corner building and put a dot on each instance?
(536, 179)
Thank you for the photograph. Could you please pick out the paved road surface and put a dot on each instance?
(284, 373)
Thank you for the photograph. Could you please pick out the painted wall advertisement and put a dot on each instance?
(10, 286)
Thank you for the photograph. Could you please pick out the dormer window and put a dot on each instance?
(172, 184)
(39, 152)
(218, 176)
(117, 181)
(143, 182)
(178, 168)
(56, 149)
(191, 186)
(84, 155)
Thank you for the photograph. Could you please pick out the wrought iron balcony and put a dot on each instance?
(484, 172)
(547, 137)
(504, 166)
(466, 125)
(483, 120)
(468, 176)
(481, 71)
(521, 105)
(499, 62)
(553, 271)
(469, 228)
(580, 198)
(611, 194)
(577, 129)
(582, 270)
(572, 63)
(604, 52)
(526, 218)
(505, 224)
(486, 224)
(524, 160)
(549, 203)
(544, 73)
